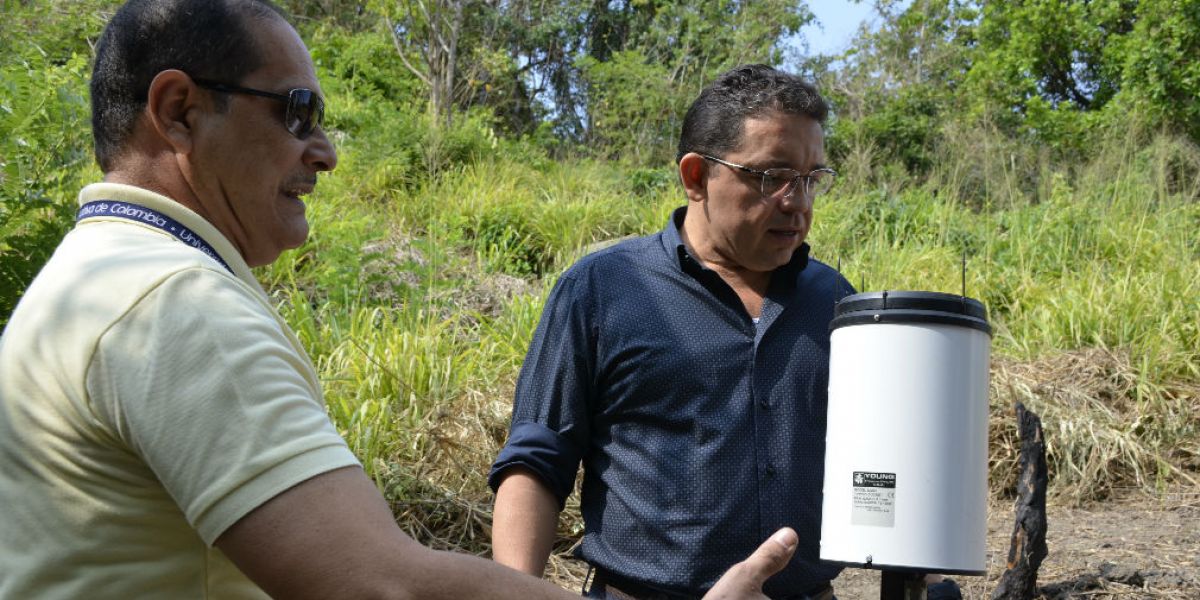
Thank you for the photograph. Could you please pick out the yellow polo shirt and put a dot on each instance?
(149, 398)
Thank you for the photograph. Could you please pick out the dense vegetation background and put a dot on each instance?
(486, 144)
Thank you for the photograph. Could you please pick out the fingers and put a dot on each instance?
(773, 555)
(744, 580)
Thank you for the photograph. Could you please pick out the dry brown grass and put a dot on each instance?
(1099, 444)
(1105, 428)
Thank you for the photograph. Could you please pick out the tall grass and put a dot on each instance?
(432, 251)
(417, 304)
(1092, 276)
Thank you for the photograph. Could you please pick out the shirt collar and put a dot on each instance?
(673, 244)
(177, 211)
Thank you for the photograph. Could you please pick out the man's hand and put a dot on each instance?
(744, 580)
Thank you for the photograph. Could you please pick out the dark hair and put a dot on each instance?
(203, 38)
(713, 124)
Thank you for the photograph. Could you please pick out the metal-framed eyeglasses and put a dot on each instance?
(305, 108)
(783, 182)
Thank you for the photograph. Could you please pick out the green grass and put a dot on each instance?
(432, 251)
(431, 254)
(417, 304)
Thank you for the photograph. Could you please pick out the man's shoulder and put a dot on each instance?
(822, 276)
(821, 271)
(99, 272)
(620, 253)
(132, 256)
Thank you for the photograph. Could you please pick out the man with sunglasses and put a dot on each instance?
(162, 433)
(688, 370)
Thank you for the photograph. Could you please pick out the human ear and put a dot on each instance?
(171, 104)
(693, 174)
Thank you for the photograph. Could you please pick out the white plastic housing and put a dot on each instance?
(908, 407)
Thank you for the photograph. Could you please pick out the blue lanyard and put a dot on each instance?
(153, 218)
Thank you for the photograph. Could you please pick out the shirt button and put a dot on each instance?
(764, 403)
(770, 472)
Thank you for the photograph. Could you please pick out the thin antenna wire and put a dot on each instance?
(840, 280)
(964, 272)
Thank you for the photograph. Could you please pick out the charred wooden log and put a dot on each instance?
(1028, 548)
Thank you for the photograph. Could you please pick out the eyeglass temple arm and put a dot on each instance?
(234, 89)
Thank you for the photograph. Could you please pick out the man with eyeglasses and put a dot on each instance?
(688, 370)
(162, 433)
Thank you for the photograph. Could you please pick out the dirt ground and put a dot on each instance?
(1135, 547)
(1129, 548)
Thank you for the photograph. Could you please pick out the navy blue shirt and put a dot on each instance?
(700, 432)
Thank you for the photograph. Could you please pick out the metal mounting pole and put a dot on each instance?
(898, 585)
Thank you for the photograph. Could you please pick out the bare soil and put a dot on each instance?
(1133, 547)
(1127, 544)
(1127, 548)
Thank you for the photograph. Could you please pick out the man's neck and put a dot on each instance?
(750, 286)
(147, 174)
(142, 176)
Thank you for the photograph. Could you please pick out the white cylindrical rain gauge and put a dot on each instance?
(906, 445)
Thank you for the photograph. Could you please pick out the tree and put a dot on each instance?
(432, 29)
(650, 58)
(898, 85)
(599, 72)
(1160, 76)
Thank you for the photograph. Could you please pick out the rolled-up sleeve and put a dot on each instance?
(552, 405)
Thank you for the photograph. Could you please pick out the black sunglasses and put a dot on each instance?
(305, 109)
